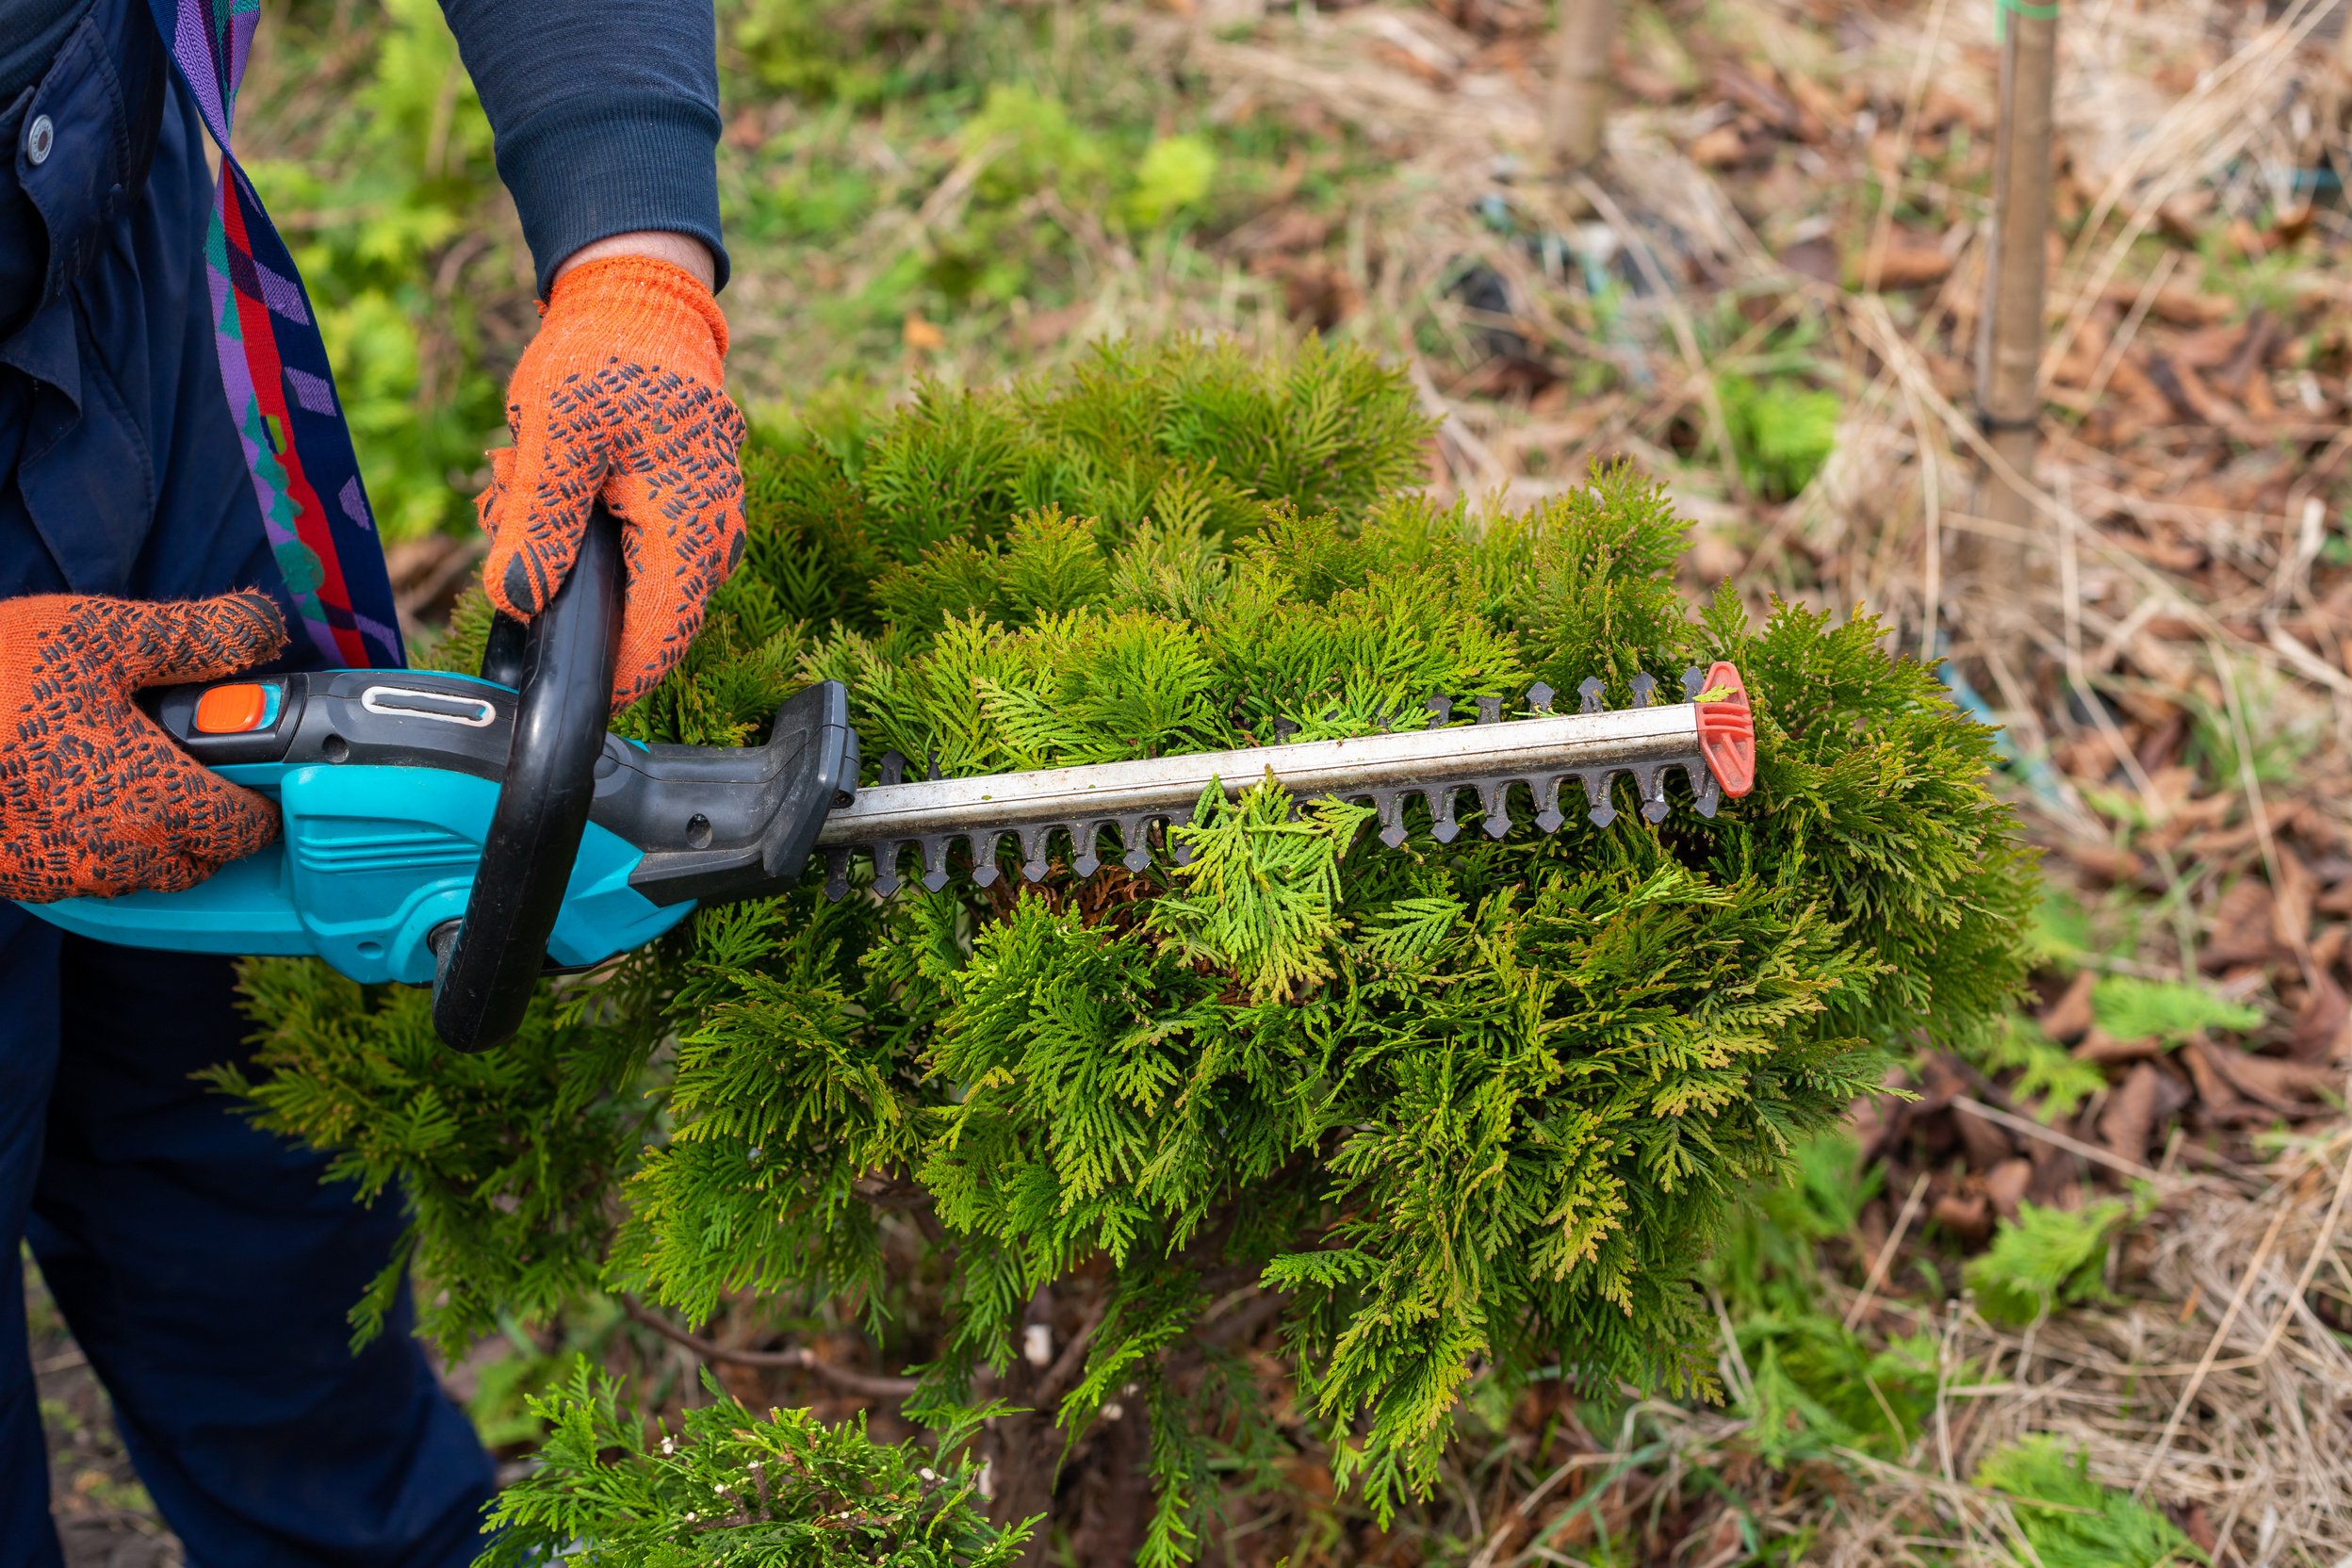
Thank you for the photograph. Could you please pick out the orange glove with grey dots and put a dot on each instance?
(94, 798)
(619, 396)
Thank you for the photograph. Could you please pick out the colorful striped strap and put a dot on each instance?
(274, 372)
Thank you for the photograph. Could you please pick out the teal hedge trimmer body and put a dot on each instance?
(477, 832)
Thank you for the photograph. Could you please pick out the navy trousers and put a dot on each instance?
(205, 1267)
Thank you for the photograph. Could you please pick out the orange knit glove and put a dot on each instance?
(619, 396)
(94, 798)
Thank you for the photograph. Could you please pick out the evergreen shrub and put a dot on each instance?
(1195, 1169)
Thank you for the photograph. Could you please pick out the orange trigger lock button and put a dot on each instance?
(1727, 730)
(233, 710)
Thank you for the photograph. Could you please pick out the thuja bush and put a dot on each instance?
(1187, 1171)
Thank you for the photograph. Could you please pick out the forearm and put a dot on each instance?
(607, 119)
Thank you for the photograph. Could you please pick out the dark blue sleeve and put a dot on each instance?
(605, 114)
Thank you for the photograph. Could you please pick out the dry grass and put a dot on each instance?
(2216, 1388)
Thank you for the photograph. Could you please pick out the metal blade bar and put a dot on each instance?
(1160, 785)
(1492, 758)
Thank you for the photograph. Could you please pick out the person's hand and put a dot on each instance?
(619, 396)
(94, 798)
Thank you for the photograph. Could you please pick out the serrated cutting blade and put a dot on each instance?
(1070, 810)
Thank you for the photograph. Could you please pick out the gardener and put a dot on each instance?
(178, 501)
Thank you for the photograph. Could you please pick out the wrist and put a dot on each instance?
(651, 303)
(682, 251)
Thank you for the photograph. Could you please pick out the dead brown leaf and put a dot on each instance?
(2337, 900)
(2300, 1088)
(2247, 354)
(2130, 1119)
(1988, 1145)
(1970, 1217)
(1816, 102)
(2242, 930)
(2222, 1102)
(2182, 307)
(2006, 1185)
(2206, 349)
(1720, 148)
(1942, 109)
(2068, 1019)
(1651, 87)
(2182, 216)
(2083, 355)
(1414, 63)
(1768, 103)
(2197, 1525)
(2189, 396)
(2173, 555)
(2174, 786)
(2108, 862)
(2291, 900)
(2290, 1088)
(2106, 1050)
(1816, 258)
(1315, 289)
(1906, 260)
(2320, 1033)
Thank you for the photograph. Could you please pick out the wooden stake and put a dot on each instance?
(2009, 352)
(1579, 83)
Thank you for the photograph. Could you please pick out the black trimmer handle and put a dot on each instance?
(561, 663)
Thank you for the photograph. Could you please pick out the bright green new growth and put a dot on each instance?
(733, 1489)
(1781, 432)
(2049, 1257)
(2046, 1070)
(1260, 897)
(2070, 1521)
(2131, 1008)
(1473, 1109)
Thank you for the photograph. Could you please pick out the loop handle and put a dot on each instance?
(488, 963)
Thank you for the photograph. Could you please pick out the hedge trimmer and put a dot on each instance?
(476, 832)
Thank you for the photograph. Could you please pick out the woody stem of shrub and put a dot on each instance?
(800, 1356)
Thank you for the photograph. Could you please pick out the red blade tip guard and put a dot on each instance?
(1727, 730)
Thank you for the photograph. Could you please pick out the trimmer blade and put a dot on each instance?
(1060, 815)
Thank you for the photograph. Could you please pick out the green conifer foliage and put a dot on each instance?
(1459, 1110)
(733, 1489)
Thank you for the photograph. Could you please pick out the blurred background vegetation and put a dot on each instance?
(907, 186)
